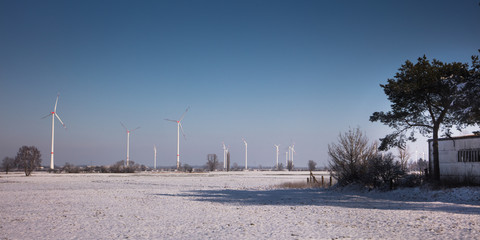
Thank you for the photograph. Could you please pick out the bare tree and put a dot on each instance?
(28, 158)
(70, 168)
(348, 157)
(212, 162)
(311, 165)
(7, 164)
(290, 165)
(280, 167)
(235, 167)
(403, 155)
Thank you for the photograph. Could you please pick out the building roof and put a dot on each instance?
(456, 138)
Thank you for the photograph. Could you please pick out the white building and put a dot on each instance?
(459, 158)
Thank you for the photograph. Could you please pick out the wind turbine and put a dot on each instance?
(244, 141)
(276, 146)
(128, 141)
(154, 157)
(179, 126)
(224, 156)
(286, 157)
(289, 153)
(54, 114)
(293, 152)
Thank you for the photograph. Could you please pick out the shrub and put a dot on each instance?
(349, 156)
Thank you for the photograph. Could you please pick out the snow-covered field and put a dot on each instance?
(239, 205)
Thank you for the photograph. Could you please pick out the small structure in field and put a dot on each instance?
(459, 158)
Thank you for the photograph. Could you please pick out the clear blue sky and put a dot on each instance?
(273, 72)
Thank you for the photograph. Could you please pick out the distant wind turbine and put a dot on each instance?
(154, 157)
(128, 141)
(179, 126)
(244, 141)
(276, 146)
(286, 157)
(293, 152)
(54, 114)
(224, 156)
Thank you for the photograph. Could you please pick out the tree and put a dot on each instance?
(28, 158)
(348, 157)
(235, 167)
(212, 162)
(7, 164)
(382, 170)
(120, 167)
(70, 168)
(290, 165)
(429, 97)
(311, 165)
(187, 168)
(280, 167)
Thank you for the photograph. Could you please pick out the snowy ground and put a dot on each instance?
(224, 206)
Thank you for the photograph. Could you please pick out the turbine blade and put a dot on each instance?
(170, 120)
(126, 129)
(48, 115)
(183, 115)
(56, 115)
(134, 129)
(183, 133)
(56, 101)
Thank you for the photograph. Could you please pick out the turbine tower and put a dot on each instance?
(179, 126)
(293, 151)
(286, 157)
(128, 141)
(224, 156)
(154, 157)
(54, 114)
(289, 153)
(276, 146)
(244, 141)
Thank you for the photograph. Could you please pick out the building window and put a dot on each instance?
(469, 155)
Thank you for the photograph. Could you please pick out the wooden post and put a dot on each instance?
(322, 182)
(330, 181)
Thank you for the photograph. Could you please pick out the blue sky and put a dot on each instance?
(273, 72)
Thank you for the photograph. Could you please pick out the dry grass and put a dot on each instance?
(301, 185)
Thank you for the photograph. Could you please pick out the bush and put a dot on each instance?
(354, 160)
(70, 168)
(349, 157)
(382, 171)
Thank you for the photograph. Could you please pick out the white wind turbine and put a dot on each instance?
(224, 156)
(128, 141)
(179, 126)
(276, 146)
(154, 157)
(54, 114)
(286, 157)
(244, 141)
(293, 152)
(289, 153)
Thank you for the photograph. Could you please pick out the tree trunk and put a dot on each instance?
(436, 162)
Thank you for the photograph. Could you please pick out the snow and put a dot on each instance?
(238, 205)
